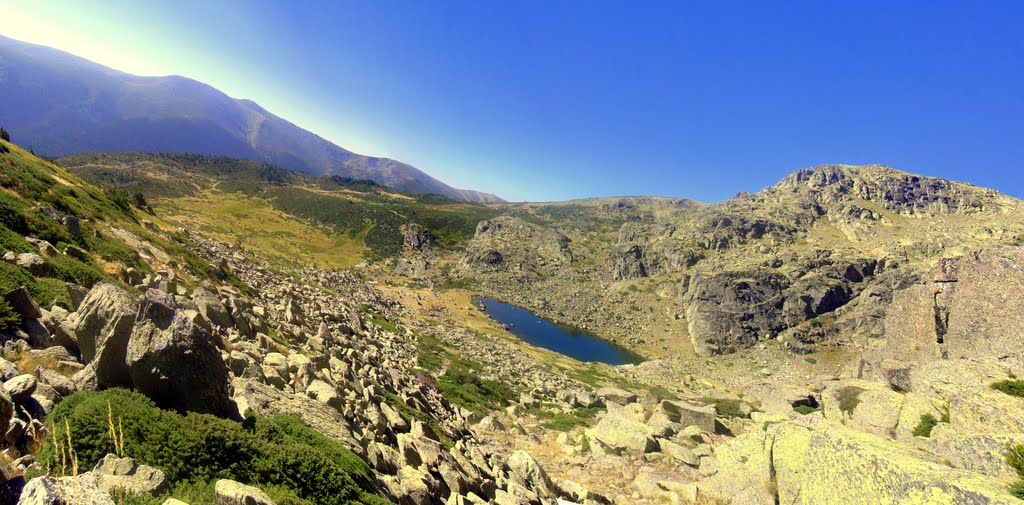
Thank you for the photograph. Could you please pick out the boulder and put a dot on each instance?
(113, 472)
(615, 395)
(35, 264)
(102, 326)
(174, 361)
(622, 431)
(21, 388)
(22, 303)
(524, 470)
(211, 308)
(688, 414)
(230, 492)
(412, 487)
(63, 491)
(729, 311)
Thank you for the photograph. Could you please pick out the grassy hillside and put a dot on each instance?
(354, 219)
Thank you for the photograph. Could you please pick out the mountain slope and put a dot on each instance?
(61, 104)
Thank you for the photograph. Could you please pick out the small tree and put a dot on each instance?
(4, 135)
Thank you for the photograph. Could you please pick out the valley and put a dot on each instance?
(846, 318)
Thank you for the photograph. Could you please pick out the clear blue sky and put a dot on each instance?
(549, 100)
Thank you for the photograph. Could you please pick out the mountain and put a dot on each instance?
(62, 104)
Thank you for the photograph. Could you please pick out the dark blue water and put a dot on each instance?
(562, 339)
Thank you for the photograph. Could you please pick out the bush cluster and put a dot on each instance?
(277, 451)
(1012, 387)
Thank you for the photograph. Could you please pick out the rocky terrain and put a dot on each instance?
(849, 335)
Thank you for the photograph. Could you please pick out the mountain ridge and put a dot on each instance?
(62, 104)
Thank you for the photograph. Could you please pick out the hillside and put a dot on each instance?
(61, 105)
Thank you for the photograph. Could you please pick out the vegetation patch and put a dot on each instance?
(805, 409)
(849, 398)
(194, 450)
(566, 421)
(1015, 458)
(725, 407)
(1011, 387)
(925, 426)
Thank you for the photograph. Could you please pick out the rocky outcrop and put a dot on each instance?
(733, 310)
(174, 361)
(511, 243)
(63, 491)
(102, 327)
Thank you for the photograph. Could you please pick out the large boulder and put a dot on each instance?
(102, 326)
(524, 470)
(622, 430)
(730, 311)
(175, 361)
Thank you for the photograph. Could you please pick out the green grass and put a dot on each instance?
(379, 319)
(1011, 387)
(269, 452)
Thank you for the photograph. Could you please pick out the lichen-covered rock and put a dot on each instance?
(623, 431)
(834, 464)
(113, 472)
(63, 491)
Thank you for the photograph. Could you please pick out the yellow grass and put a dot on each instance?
(255, 225)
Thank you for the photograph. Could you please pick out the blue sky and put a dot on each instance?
(556, 100)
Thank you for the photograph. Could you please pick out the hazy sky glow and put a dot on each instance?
(555, 100)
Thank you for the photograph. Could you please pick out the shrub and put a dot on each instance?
(1011, 387)
(276, 451)
(1015, 458)
(72, 270)
(924, 428)
(8, 317)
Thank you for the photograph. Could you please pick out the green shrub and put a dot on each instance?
(69, 269)
(276, 451)
(924, 428)
(1017, 490)
(1015, 458)
(1011, 387)
(811, 361)
(8, 317)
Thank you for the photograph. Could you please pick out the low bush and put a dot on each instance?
(268, 452)
(925, 426)
(1011, 387)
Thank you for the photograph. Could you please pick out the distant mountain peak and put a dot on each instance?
(63, 104)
